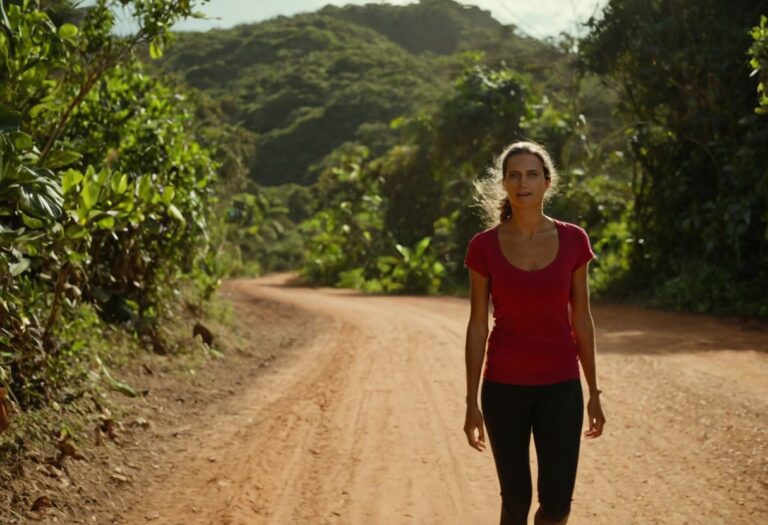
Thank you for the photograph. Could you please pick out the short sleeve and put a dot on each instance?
(583, 248)
(475, 258)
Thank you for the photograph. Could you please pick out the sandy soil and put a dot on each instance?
(361, 422)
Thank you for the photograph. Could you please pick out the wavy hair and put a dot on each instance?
(490, 194)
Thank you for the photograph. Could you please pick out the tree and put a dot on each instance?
(759, 62)
(701, 185)
(103, 192)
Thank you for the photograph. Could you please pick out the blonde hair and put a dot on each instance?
(490, 195)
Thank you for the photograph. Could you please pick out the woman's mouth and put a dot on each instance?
(524, 194)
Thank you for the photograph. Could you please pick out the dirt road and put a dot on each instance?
(362, 425)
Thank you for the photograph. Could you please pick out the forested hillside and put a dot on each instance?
(434, 26)
(310, 83)
(305, 85)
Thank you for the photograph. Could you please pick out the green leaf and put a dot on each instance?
(101, 178)
(22, 141)
(168, 194)
(29, 237)
(61, 158)
(155, 49)
(70, 179)
(404, 251)
(114, 383)
(146, 191)
(4, 17)
(397, 122)
(174, 212)
(43, 106)
(40, 195)
(89, 194)
(120, 184)
(75, 231)
(31, 222)
(68, 31)
(106, 223)
(20, 267)
(422, 245)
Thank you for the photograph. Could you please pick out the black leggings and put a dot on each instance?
(555, 414)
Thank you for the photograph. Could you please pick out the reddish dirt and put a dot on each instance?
(359, 420)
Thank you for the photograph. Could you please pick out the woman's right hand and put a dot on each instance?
(474, 422)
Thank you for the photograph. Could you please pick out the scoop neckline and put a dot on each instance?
(558, 229)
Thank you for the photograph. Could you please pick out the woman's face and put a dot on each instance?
(524, 180)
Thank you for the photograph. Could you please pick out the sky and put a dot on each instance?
(538, 18)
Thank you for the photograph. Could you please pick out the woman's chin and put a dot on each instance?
(526, 202)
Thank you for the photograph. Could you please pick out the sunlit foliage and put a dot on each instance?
(699, 221)
(103, 189)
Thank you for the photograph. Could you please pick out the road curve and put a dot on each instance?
(362, 425)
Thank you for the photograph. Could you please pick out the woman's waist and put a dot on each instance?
(515, 337)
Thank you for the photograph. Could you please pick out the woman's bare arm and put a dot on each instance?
(477, 335)
(584, 329)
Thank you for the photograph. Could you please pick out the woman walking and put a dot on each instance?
(534, 269)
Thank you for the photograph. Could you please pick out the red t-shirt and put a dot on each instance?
(532, 341)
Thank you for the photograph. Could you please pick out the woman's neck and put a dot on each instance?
(528, 222)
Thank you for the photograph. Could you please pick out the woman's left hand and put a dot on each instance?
(596, 417)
